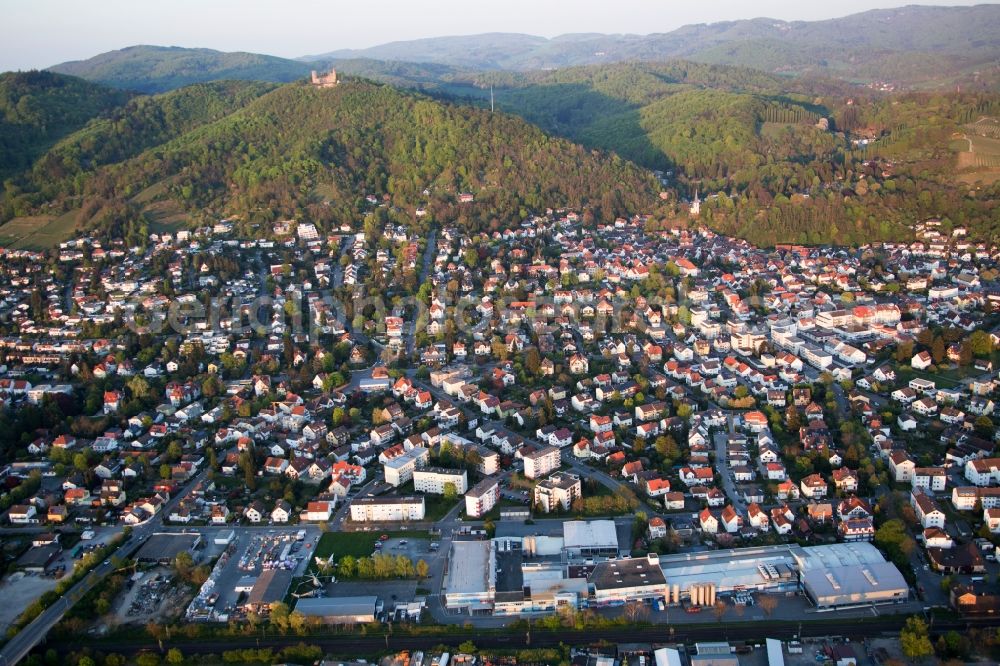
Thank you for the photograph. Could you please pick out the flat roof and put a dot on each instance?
(563, 480)
(166, 546)
(625, 573)
(470, 568)
(590, 534)
(338, 606)
(406, 458)
(510, 578)
(444, 471)
(408, 499)
(726, 568)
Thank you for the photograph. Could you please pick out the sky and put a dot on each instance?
(39, 33)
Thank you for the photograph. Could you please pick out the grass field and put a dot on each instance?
(38, 232)
(165, 216)
(338, 544)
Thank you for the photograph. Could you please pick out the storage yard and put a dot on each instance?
(268, 557)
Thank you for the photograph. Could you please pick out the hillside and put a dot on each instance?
(300, 151)
(39, 108)
(910, 46)
(124, 132)
(152, 69)
(798, 160)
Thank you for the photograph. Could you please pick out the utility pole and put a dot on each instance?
(491, 98)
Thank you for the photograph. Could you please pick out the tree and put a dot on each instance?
(183, 564)
(175, 656)
(347, 567)
(80, 462)
(297, 622)
(139, 387)
(471, 257)
(450, 492)
(532, 362)
(981, 343)
(636, 610)
(719, 609)
(148, 659)
(915, 640)
(937, 350)
(984, 426)
(280, 615)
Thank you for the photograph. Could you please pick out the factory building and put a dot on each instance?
(627, 579)
(831, 576)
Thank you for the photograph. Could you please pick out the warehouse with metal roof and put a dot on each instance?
(833, 575)
(341, 610)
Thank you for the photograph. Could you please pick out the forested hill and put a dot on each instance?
(143, 122)
(39, 108)
(316, 153)
(152, 69)
(913, 46)
(802, 160)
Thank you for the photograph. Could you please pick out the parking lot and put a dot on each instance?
(19, 590)
(415, 549)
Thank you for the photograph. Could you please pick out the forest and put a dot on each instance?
(775, 160)
(39, 108)
(308, 153)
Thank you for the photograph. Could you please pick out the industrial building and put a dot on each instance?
(830, 575)
(341, 610)
(163, 547)
(271, 586)
(543, 572)
(590, 539)
(849, 574)
(627, 579)
(472, 576)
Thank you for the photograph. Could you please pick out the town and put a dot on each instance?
(560, 418)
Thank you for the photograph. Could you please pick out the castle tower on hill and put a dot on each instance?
(324, 80)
